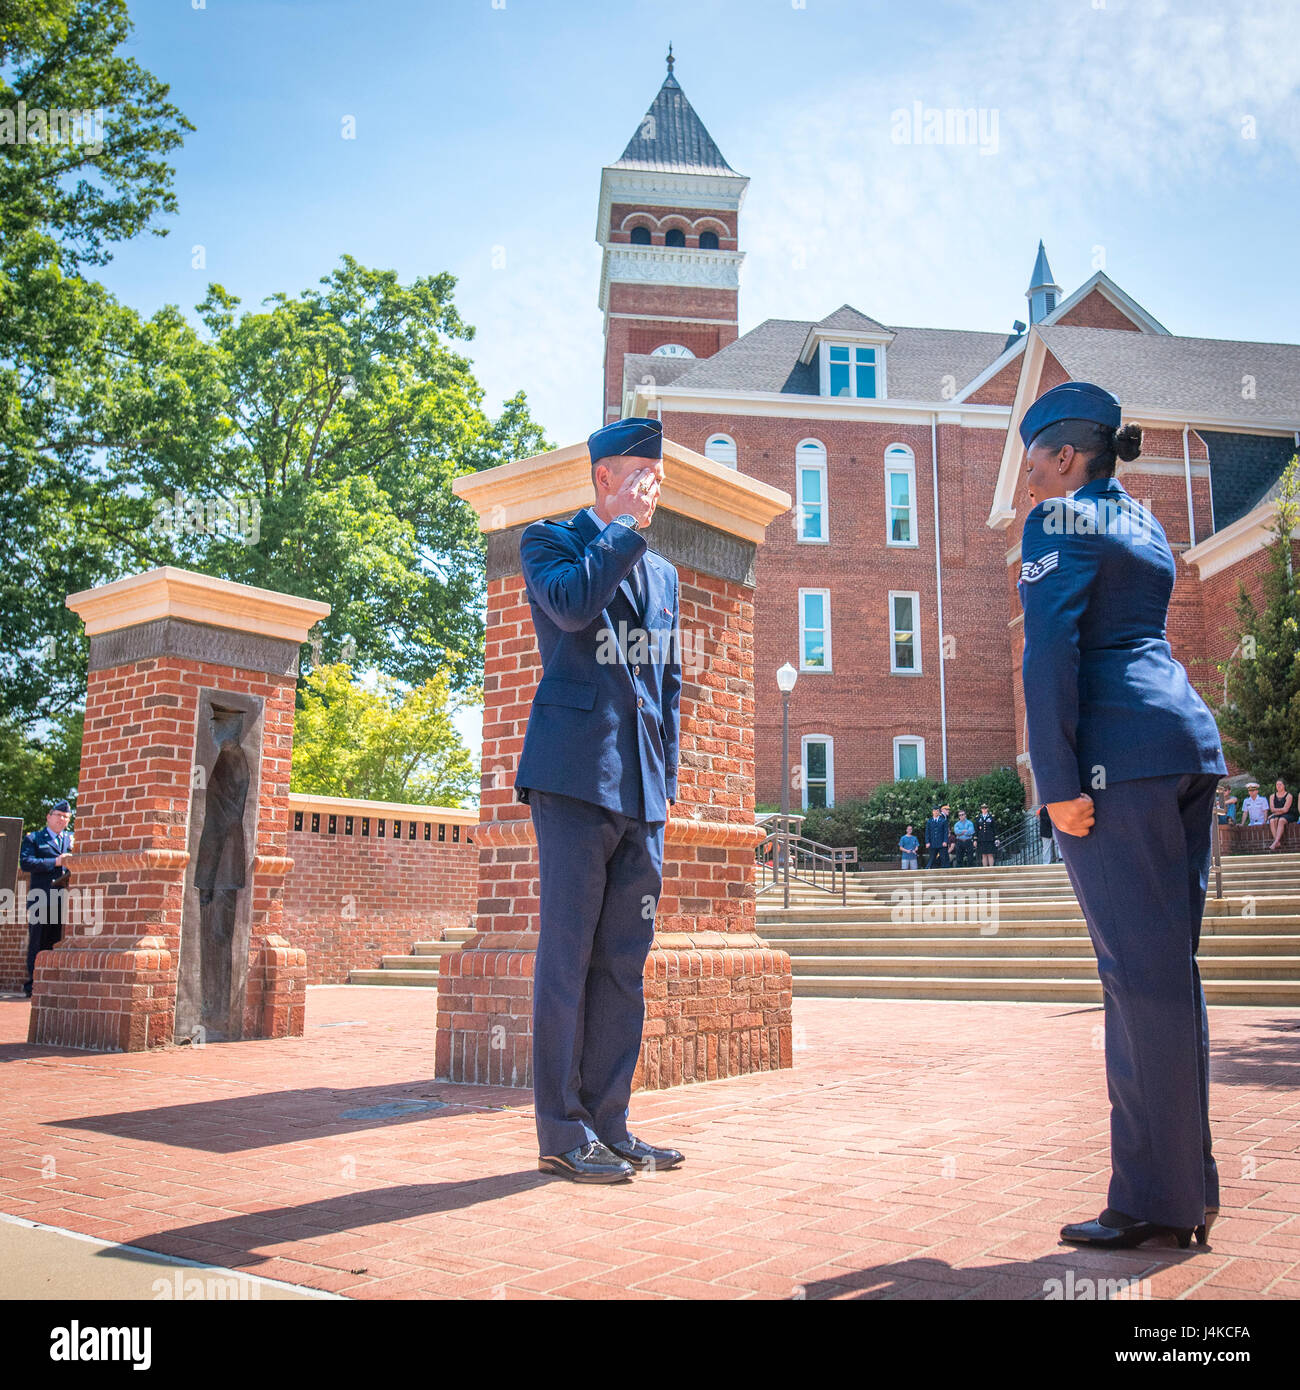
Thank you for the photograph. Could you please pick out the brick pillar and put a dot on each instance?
(170, 652)
(717, 997)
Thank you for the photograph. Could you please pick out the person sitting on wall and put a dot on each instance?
(1279, 812)
(1254, 810)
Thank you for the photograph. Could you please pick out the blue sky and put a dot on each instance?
(1160, 141)
(481, 130)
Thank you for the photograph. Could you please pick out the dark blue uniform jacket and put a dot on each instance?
(602, 730)
(1105, 700)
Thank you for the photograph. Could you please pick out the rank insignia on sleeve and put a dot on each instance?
(1033, 570)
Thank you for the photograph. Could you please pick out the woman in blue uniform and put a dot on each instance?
(1126, 757)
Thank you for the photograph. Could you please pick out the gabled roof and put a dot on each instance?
(851, 319)
(1103, 285)
(919, 361)
(1197, 382)
(672, 137)
(1199, 378)
(641, 368)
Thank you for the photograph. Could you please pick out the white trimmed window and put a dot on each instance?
(909, 758)
(900, 496)
(814, 629)
(905, 637)
(813, 520)
(721, 448)
(849, 369)
(818, 770)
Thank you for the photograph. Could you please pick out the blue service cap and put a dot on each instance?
(1072, 400)
(60, 805)
(635, 437)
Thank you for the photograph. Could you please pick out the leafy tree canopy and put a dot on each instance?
(1259, 717)
(382, 743)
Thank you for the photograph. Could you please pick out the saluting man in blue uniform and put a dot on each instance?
(42, 856)
(599, 771)
(1126, 757)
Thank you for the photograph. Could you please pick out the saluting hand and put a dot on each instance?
(1074, 817)
(638, 495)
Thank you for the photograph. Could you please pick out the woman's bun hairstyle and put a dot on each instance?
(1127, 443)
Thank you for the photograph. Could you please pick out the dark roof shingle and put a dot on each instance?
(672, 137)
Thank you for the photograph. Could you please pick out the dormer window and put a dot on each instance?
(851, 371)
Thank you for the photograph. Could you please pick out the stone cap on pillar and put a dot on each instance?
(176, 611)
(559, 483)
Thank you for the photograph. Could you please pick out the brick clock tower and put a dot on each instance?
(668, 227)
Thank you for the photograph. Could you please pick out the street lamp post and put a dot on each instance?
(785, 679)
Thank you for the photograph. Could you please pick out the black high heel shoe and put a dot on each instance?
(1203, 1230)
(1125, 1234)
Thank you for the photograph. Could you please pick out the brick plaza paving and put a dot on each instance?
(917, 1150)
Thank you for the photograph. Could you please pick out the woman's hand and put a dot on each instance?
(1073, 817)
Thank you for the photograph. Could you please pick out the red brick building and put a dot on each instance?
(891, 584)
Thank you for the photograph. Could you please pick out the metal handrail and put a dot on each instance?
(781, 856)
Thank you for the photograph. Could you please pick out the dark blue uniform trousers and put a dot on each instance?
(601, 874)
(1141, 876)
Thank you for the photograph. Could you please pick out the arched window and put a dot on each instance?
(721, 448)
(675, 237)
(640, 236)
(811, 515)
(900, 496)
(708, 241)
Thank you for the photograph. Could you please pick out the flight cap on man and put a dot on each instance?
(636, 437)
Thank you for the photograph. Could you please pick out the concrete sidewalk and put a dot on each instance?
(917, 1150)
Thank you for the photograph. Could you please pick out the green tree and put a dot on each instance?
(1259, 717)
(344, 415)
(66, 197)
(382, 742)
(35, 770)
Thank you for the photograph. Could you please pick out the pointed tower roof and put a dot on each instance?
(1042, 278)
(672, 137)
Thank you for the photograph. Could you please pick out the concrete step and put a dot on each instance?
(959, 908)
(1267, 968)
(1009, 947)
(1271, 926)
(1266, 993)
(427, 964)
(428, 979)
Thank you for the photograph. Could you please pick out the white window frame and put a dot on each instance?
(824, 369)
(826, 631)
(912, 740)
(830, 766)
(908, 467)
(811, 453)
(895, 669)
(728, 443)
